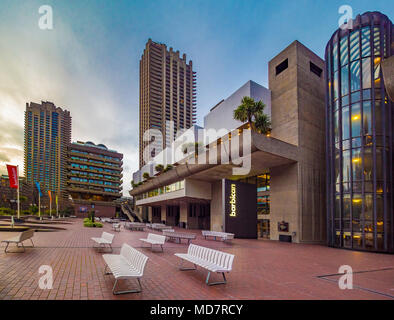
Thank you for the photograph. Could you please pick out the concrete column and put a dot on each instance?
(150, 213)
(183, 212)
(217, 209)
(163, 213)
(284, 202)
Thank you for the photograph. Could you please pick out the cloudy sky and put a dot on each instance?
(88, 64)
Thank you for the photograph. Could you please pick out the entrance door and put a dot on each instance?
(263, 228)
(199, 216)
(156, 214)
(173, 215)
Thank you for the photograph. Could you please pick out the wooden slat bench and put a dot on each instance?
(130, 263)
(22, 236)
(210, 259)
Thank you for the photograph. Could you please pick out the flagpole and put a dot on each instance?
(39, 205)
(57, 207)
(50, 205)
(17, 174)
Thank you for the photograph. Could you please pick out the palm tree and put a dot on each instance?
(248, 110)
(263, 123)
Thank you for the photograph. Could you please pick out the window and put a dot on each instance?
(282, 66)
(315, 69)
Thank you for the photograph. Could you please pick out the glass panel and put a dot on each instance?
(344, 51)
(366, 73)
(356, 96)
(337, 161)
(345, 123)
(357, 206)
(344, 81)
(355, 76)
(346, 207)
(378, 117)
(369, 241)
(337, 212)
(368, 207)
(336, 126)
(379, 164)
(357, 164)
(368, 162)
(376, 41)
(335, 56)
(336, 85)
(367, 94)
(365, 41)
(345, 99)
(346, 166)
(379, 207)
(356, 120)
(377, 72)
(367, 118)
(354, 46)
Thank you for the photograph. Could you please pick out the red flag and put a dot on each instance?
(13, 176)
(50, 195)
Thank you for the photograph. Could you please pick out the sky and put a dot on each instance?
(89, 62)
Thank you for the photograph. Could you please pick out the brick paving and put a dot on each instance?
(262, 269)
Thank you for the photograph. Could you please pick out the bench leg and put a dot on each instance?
(5, 250)
(32, 242)
(127, 291)
(185, 269)
(105, 270)
(214, 283)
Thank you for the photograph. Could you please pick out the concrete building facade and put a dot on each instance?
(46, 138)
(94, 178)
(167, 95)
(283, 194)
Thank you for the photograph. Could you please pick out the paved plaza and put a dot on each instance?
(262, 269)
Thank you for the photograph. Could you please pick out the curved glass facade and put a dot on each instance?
(359, 124)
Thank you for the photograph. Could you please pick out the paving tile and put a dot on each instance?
(262, 269)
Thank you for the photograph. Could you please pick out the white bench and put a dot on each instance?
(106, 239)
(217, 234)
(135, 226)
(22, 236)
(212, 260)
(116, 227)
(130, 263)
(155, 239)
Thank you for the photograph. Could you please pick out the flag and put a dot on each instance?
(50, 196)
(13, 176)
(56, 200)
(38, 188)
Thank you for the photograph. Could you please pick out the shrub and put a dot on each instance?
(168, 167)
(146, 175)
(90, 224)
(159, 168)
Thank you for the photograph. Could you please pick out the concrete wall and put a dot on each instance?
(284, 204)
(222, 115)
(298, 117)
(100, 211)
(198, 189)
(217, 209)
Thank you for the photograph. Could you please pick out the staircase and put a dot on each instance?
(133, 217)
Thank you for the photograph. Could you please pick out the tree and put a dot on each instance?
(263, 123)
(251, 112)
